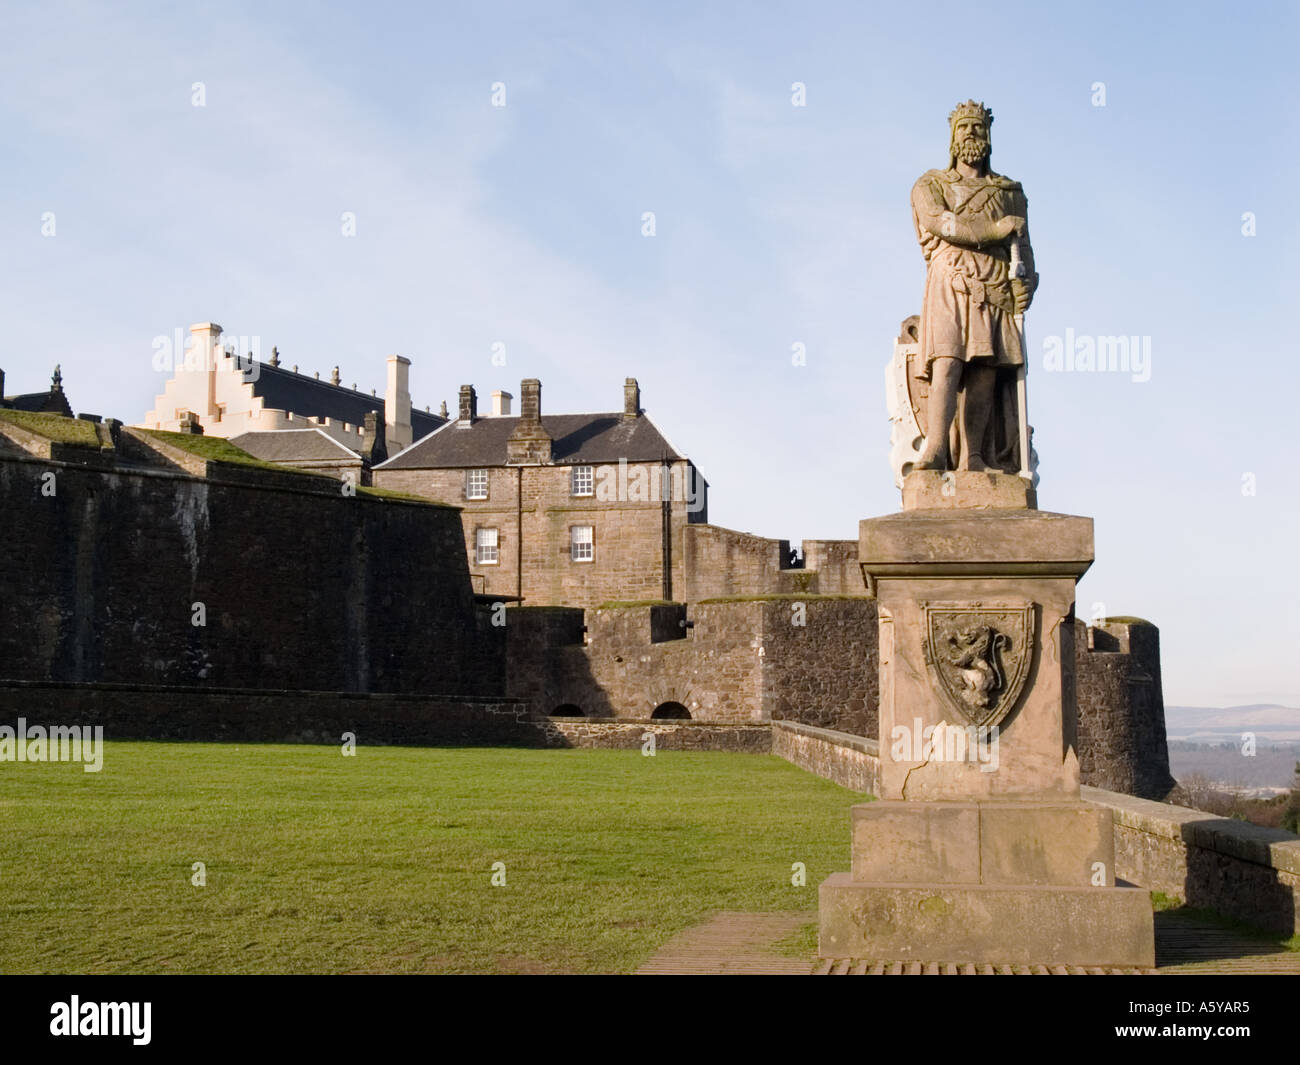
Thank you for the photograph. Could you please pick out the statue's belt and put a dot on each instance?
(981, 292)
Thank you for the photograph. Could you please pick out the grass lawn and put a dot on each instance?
(382, 862)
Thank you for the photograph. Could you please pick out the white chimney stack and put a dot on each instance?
(203, 354)
(397, 405)
(501, 404)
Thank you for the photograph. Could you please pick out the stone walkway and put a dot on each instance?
(732, 943)
(748, 944)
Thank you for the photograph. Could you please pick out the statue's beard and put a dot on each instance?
(972, 150)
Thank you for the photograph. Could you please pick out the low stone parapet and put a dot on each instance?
(851, 761)
(669, 735)
(1234, 868)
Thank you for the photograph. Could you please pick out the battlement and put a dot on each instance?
(804, 658)
(1122, 739)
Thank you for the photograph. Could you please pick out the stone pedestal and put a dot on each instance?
(980, 849)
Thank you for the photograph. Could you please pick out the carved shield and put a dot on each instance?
(978, 655)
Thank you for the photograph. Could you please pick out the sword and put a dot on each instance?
(1022, 397)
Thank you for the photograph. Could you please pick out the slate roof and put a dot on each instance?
(294, 445)
(579, 439)
(311, 397)
(51, 401)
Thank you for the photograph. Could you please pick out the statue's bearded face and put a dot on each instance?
(970, 141)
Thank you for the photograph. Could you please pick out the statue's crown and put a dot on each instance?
(970, 109)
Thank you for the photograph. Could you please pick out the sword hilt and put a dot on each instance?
(1017, 262)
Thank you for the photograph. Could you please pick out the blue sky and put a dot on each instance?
(775, 225)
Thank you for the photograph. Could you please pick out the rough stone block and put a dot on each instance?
(967, 490)
(982, 924)
(1046, 843)
(908, 842)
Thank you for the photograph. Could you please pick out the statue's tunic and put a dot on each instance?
(968, 311)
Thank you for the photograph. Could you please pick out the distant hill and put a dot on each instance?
(1207, 724)
(1197, 733)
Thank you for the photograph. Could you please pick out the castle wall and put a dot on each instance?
(722, 562)
(804, 659)
(826, 672)
(301, 587)
(237, 715)
(836, 564)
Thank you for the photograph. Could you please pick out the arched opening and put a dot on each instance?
(567, 710)
(671, 712)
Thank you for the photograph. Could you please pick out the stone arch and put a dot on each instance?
(671, 712)
(568, 710)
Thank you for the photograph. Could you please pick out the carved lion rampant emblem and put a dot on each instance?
(978, 655)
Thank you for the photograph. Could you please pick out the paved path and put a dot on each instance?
(747, 944)
(732, 943)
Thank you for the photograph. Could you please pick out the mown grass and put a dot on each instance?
(219, 449)
(382, 862)
(57, 427)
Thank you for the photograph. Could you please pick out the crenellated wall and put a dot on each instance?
(721, 562)
(805, 658)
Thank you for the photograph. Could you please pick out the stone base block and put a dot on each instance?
(986, 925)
(967, 490)
(1062, 843)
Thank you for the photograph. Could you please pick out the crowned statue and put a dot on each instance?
(968, 359)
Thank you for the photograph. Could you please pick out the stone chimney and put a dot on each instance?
(203, 356)
(397, 404)
(530, 443)
(373, 450)
(468, 406)
(501, 404)
(206, 333)
(631, 399)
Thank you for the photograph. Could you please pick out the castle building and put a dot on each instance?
(51, 401)
(227, 394)
(562, 509)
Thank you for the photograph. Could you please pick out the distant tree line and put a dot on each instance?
(1198, 792)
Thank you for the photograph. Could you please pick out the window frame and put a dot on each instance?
(479, 547)
(575, 543)
(469, 482)
(590, 478)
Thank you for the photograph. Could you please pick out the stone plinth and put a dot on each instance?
(967, 490)
(1017, 571)
(986, 925)
(981, 850)
(983, 843)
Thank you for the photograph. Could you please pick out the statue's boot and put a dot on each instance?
(932, 459)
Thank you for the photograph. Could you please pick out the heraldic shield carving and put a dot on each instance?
(978, 655)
